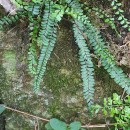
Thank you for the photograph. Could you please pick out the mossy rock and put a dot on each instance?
(61, 89)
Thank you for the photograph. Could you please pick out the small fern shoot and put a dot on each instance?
(119, 13)
(107, 18)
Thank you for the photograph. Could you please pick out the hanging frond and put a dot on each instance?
(106, 57)
(46, 40)
(100, 49)
(34, 24)
(86, 63)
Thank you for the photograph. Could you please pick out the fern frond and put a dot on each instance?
(106, 57)
(100, 49)
(46, 23)
(8, 20)
(32, 60)
(119, 13)
(46, 50)
(86, 63)
(34, 21)
(46, 40)
(107, 18)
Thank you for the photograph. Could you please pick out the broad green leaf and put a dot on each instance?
(57, 124)
(75, 125)
(2, 108)
(48, 126)
(82, 129)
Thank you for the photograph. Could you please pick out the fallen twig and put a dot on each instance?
(26, 114)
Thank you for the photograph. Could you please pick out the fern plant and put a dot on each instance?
(43, 17)
(107, 18)
(116, 108)
(119, 13)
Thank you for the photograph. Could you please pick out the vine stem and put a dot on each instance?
(46, 120)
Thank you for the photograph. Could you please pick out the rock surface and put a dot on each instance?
(61, 89)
